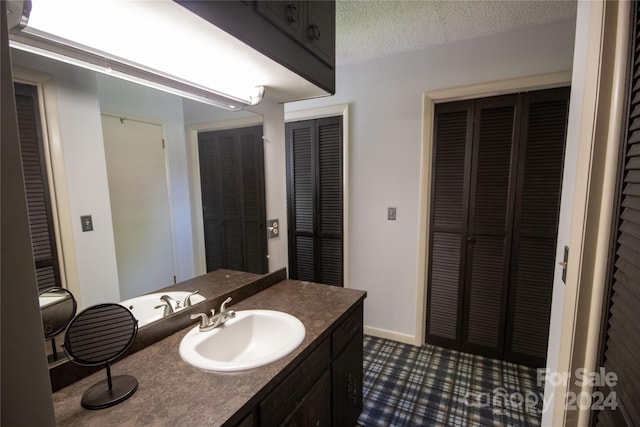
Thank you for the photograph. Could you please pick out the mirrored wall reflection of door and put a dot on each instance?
(43, 235)
(137, 175)
(495, 201)
(233, 199)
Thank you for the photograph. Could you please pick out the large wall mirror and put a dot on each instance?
(126, 164)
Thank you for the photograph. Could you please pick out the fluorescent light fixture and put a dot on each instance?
(156, 43)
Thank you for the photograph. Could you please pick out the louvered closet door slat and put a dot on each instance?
(36, 189)
(209, 189)
(329, 201)
(489, 219)
(486, 293)
(452, 137)
(253, 211)
(542, 144)
(330, 176)
(622, 338)
(331, 261)
(231, 202)
(305, 257)
(303, 184)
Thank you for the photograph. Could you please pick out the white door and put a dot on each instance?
(139, 205)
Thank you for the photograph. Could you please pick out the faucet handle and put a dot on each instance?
(223, 306)
(187, 300)
(204, 320)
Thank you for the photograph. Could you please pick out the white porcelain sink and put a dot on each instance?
(144, 307)
(253, 338)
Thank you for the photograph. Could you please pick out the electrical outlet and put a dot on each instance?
(391, 214)
(273, 228)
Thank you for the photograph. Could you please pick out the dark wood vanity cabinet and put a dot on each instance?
(310, 23)
(325, 389)
(346, 372)
(300, 35)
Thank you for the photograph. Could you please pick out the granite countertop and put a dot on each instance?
(172, 393)
(214, 286)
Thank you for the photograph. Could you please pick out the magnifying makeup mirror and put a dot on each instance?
(57, 307)
(97, 336)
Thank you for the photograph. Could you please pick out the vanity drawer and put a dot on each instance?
(289, 393)
(346, 331)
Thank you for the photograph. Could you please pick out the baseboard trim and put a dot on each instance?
(391, 335)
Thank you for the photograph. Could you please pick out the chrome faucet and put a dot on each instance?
(187, 300)
(170, 305)
(207, 324)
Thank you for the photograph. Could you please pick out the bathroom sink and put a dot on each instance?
(251, 339)
(144, 307)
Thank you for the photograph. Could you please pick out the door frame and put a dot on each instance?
(56, 175)
(193, 161)
(505, 87)
(320, 113)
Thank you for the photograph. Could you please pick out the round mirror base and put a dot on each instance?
(98, 396)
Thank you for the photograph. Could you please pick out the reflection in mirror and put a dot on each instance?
(81, 102)
(151, 307)
(57, 307)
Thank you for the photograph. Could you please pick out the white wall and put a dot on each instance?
(385, 95)
(84, 161)
(275, 180)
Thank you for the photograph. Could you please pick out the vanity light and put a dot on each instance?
(156, 43)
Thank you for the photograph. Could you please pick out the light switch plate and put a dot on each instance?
(391, 213)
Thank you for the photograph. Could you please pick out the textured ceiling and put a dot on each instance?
(372, 28)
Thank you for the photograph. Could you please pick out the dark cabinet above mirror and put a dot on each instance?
(299, 35)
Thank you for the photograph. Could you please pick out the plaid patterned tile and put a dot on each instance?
(432, 386)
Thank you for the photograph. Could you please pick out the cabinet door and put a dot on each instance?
(320, 32)
(288, 16)
(347, 376)
(315, 408)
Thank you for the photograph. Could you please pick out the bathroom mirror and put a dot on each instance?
(57, 307)
(85, 101)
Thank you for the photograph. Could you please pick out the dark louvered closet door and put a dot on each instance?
(301, 171)
(36, 184)
(543, 135)
(620, 344)
(494, 213)
(232, 185)
(253, 202)
(453, 126)
(211, 199)
(314, 199)
(329, 224)
(490, 225)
